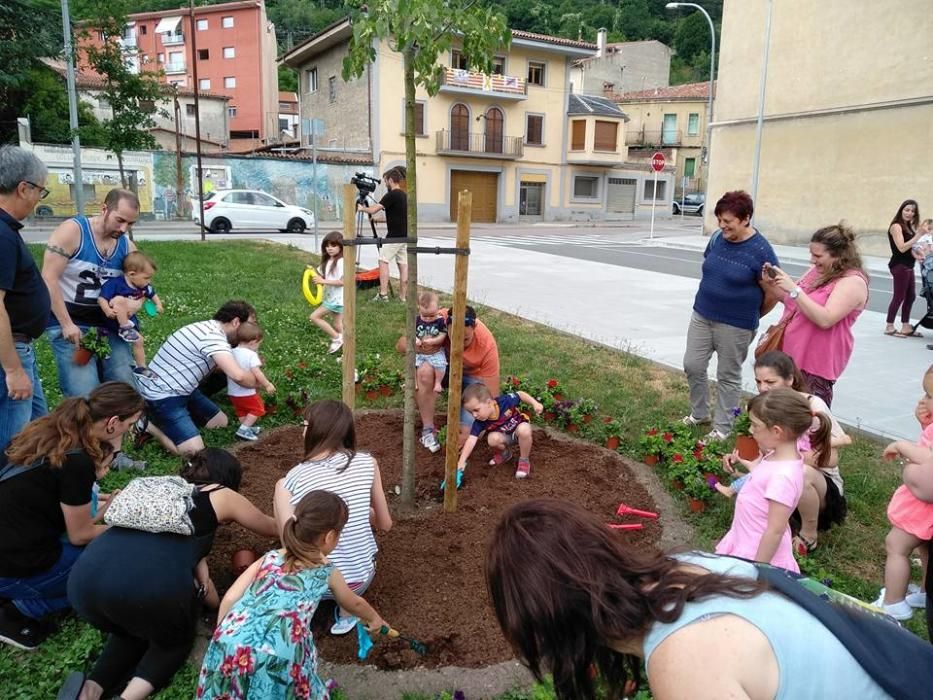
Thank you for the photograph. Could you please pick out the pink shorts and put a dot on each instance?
(910, 514)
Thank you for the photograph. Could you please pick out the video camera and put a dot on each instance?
(365, 184)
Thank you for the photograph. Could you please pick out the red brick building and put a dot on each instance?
(236, 56)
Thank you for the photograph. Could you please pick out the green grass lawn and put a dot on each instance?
(194, 279)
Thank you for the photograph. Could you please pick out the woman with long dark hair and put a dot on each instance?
(902, 234)
(577, 600)
(332, 463)
(821, 307)
(46, 492)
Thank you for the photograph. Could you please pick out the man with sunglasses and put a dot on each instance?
(25, 306)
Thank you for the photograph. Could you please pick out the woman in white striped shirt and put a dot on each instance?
(331, 463)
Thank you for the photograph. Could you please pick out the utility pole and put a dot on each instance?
(179, 175)
(197, 114)
(73, 109)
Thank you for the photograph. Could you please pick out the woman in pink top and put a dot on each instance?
(760, 529)
(820, 308)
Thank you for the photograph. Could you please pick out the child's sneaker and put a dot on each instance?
(899, 611)
(917, 599)
(256, 429)
(129, 334)
(245, 433)
(429, 441)
(523, 469)
(335, 344)
(381, 297)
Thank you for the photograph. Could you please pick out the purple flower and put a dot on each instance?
(711, 481)
(736, 412)
(331, 684)
(458, 695)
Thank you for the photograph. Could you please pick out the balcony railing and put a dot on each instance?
(654, 139)
(169, 38)
(480, 145)
(508, 86)
(176, 67)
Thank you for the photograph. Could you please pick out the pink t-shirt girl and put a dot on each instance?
(907, 512)
(824, 352)
(778, 481)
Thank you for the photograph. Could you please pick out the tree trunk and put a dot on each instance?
(409, 443)
(122, 174)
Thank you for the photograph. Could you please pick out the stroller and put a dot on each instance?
(926, 291)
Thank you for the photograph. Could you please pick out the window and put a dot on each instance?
(690, 167)
(283, 124)
(227, 22)
(605, 136)
(332, 88)
(498, 65)
(534, 129)
(160, 58)
(230, 82)
(650, 192)
(202, 25)
(204, 84)
(231, 112)
(458, 60)
(263, 200)
(459, 128)
(419, 118)
(586, 187)
(312, 80)
(229, 52)
(494, 135)
(143, 30)
(578, 135)
(204, 54)
(284, 106)
(693, 124)
(189, 110)
(535, 73)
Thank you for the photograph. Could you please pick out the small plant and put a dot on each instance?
(697, 488)
(653, 441)
(742, 425)
(95, 341)
(442, 436)
(553, 388)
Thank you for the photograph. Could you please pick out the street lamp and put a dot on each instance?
(712, 71)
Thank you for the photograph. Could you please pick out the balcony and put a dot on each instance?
(479, 145)
(653, 139)
(171, 38)
(176, 67)
(468, 82)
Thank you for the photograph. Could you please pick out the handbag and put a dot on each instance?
(154, 504)
(773, 338)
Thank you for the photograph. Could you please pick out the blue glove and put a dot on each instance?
(459, 480)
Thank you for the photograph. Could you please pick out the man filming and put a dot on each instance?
(395, 204)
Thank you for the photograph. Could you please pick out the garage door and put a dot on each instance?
(483, 186)
(621, 195)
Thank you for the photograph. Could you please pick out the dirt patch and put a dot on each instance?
(429, 579)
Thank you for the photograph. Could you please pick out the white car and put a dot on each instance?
(250, 210)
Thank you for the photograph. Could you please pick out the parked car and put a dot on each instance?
(691, 204)
(250, 210)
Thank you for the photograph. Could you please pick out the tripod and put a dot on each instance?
(363, 199)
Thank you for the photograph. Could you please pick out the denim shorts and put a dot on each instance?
(180, 416)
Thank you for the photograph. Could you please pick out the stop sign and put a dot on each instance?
(657, 161)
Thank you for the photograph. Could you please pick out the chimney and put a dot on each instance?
(601, 42)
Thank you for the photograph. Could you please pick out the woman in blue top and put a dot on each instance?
(580, 601)
(726, 311)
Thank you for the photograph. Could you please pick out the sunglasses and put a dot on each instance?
(467, 321)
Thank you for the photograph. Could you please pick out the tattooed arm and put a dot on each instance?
(62, 245)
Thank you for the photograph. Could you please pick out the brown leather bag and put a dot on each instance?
(773, 338)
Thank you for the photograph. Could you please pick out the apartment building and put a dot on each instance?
(235, 56)
(517, 138)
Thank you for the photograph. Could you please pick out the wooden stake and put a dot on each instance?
(455, 388)
(349, 296)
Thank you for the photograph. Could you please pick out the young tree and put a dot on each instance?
(131, 91)
(46, 105)
(421, 30)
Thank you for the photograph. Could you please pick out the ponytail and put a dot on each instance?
(820, 440)
(317, 513)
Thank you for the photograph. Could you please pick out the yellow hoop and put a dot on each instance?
(312, 298)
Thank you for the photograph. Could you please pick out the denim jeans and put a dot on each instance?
(78, 380)
(15, 414)
(46, 593)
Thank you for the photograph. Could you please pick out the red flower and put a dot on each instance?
(653, 431)
(243, 661)
(516, 381)
(302, 365)
(677, 458)
(551, 383)
(226, 668)
(302, 688)
(668, 437)
(698, 453)
(295, 672)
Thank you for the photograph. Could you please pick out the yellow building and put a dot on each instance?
(848, 113)
(518, 139)
(671, 120)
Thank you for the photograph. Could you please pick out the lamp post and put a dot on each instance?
(712, 74)
(73, 109)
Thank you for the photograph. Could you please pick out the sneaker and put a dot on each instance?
(342, 624)
(918, 599)
(523, 469)
(693, 422)
(256, 429)
(124, 463)
(245, 433)
(715, 436)
(130, 335)
(430, 441)
(335, 344)
(899, 610)
(381, 297)
(20, 631)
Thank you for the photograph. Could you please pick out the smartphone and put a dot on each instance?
(771, 272)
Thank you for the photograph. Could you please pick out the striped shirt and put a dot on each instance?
(184, 360)
(356, 549)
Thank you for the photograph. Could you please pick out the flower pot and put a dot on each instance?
(607, 419)
(573, 428)
(372, 394)
(587, 418)
(82, 356)
(612, 442)
(746, 446)
(549, 416)
(650, 460)
(241, 560)
(385, 390)
(696, 505)
(558, 396)
(678, 484)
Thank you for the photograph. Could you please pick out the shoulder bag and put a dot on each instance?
(154, 504)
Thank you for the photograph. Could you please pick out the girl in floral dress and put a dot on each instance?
(262, 647)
